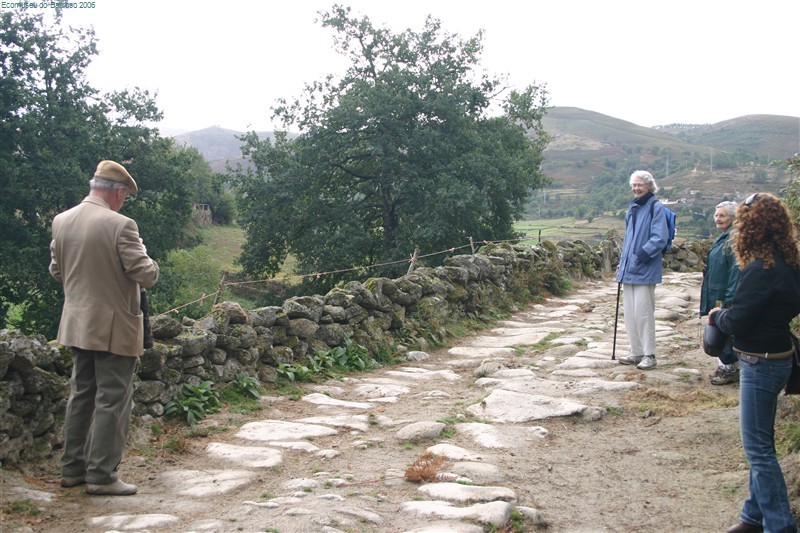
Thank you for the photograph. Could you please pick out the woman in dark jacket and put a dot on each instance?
(720, 278)
(766, 300)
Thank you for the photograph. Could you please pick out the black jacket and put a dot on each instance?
(766, 300)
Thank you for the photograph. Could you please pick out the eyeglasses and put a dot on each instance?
(751, 199)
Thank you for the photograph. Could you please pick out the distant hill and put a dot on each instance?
(586, 144)
(218, 146)
(775, 136)
(584, 140)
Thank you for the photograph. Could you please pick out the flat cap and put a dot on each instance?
(111, 170)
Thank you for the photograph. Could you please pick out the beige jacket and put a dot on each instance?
(97, 255)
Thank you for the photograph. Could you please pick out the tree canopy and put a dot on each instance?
(399, 153)
(54, 129)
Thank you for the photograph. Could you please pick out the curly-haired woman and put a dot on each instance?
(766, 300)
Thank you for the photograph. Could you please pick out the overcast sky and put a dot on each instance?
(649, 62)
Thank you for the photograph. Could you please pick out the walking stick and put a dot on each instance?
(616, 317)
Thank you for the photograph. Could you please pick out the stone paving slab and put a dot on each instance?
(504, 406)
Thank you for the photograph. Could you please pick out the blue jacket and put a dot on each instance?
(645, 238)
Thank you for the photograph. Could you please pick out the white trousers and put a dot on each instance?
(639, 302)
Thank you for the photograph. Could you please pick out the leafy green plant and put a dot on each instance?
(194, 402)
(351, 357)
(246, 385)
(295, 372)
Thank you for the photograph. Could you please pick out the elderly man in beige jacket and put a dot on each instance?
(97, 255)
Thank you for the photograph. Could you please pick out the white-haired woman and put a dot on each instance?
(640, 268)
(720, 278)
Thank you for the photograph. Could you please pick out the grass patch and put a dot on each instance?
(172, 437)
(787, 431)
(22, 508)
(543, 345)
(667, 403)
(568, 228)
(450, 420)
(226, 241)
(285, 388)
(729, 490)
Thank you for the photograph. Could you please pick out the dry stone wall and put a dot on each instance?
(380, 314)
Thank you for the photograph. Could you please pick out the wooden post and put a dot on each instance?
(219, 289)
(472, 245)
(413, 261)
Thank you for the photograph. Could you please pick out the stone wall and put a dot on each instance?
(377, 314)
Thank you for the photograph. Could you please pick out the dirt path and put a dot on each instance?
(641, 451)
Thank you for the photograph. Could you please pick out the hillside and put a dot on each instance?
(584, 142)
(726, 156)
(219, 146)
(772, 135)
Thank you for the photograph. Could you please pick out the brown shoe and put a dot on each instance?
(725, 377)
(717, 372)
(744, 527)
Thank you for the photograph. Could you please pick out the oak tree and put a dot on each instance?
(412, 147)
(54, 129)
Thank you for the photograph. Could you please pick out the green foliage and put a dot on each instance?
(24, 507)
(398, 154)
(541, 278)
(295, 372)
(194, 402)
(246, 385)
(351, 357)
(54, 128)
(186, 275)
(45, 152)
(419, 331)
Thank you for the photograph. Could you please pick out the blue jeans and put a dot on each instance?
(759, 386)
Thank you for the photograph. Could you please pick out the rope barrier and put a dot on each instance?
(413, 259)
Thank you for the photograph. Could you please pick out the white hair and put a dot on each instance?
(109, 185)
(646, 177)
(729, 207)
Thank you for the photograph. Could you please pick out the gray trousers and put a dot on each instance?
(640, 320)
(98, 415)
